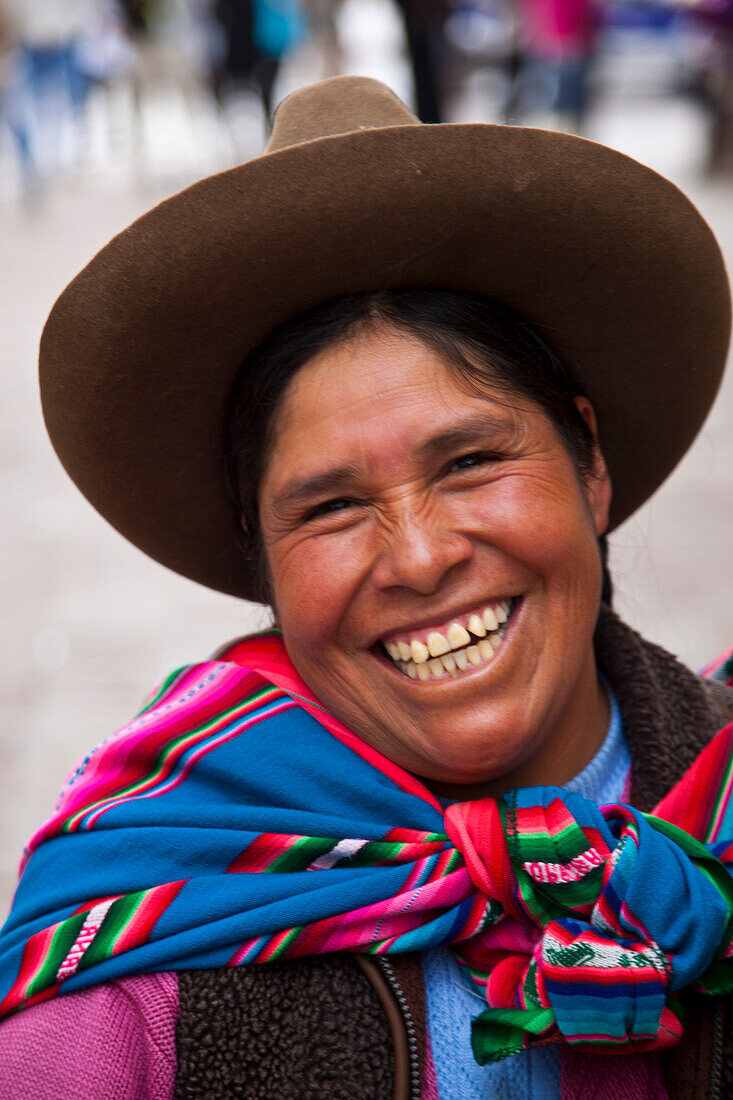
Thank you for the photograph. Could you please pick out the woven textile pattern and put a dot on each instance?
(189, 839)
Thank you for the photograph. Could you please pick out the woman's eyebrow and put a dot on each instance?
(302, 489)
(469, 433)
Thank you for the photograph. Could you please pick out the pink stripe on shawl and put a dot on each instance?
(191, 762)
(98, 777)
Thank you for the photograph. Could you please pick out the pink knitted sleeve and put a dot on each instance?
(109, 1042)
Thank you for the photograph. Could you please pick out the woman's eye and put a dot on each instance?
(329, 507)
(468, 462)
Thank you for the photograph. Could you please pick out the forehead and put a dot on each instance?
(382, 380)
(379, 398)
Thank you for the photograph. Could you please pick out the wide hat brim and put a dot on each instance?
(610, 261)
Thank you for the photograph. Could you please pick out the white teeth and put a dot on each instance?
(458, 636)
(476, 626)
(490, 620)
(440, 655)
(474, 656)
(452, 664)
(437, 644)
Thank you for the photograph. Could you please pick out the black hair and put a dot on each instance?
(484, 341)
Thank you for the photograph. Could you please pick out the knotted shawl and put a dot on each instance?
(234, 821)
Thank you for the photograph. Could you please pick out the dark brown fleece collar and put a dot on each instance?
(668, 712)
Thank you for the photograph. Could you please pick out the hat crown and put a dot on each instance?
(340, 105)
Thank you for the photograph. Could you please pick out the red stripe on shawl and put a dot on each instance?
(34, 955)
(172, 725)
(147, 915)
(267, 656)
(697, 803)
(400, 835)
(474, 919)
(476, 829)
(552, 821)
(262, 851)
(34, 958)
(421, 865)
(505, 980)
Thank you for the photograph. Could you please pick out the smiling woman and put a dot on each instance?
(392, 508)
(478, 831)
(425, 540)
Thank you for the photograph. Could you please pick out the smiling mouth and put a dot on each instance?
(468, 642)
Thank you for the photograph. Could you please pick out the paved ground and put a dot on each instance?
(89, 623)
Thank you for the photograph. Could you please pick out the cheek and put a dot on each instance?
(539, 524)
(313, 583)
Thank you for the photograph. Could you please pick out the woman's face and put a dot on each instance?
(404, 516)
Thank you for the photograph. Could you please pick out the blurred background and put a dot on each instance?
(106, 107)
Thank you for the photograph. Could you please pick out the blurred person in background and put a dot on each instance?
(715, 82)
(172, 44)
(46, 85)
(424, 21)
(557, 41)
(257, 34)
(484, 35)
(322, 16)
(7, 44)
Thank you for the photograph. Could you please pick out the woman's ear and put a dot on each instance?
(598, 488)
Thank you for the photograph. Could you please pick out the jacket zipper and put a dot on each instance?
(716, 1054)
(386, 967)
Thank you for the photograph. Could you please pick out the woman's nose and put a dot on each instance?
(418, 554)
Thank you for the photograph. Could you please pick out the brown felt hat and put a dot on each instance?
(610, 261)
